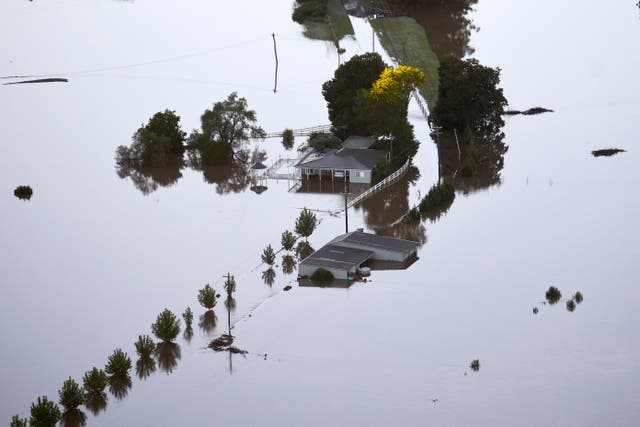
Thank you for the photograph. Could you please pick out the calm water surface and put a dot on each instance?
(89, 262)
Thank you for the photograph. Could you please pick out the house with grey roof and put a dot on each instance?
(347, 253)
(354, 162)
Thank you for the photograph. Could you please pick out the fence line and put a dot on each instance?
(301, 131)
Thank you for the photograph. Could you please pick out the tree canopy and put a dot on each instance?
(306, 223)
(343, 92)
(469, 96)
(224, 129)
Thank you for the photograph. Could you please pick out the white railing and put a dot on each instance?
(379, 186)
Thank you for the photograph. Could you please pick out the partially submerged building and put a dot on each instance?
(354, 162)
(345, 255)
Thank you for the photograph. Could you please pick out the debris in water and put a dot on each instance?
(578, 297)
(23, 192)
(52, 80)
(553, 295)
(606, 152)
(236, 350)
(535, 310)
(529, 112)
(287, 288)
(571, 305)
(222, 342)
(475, 365)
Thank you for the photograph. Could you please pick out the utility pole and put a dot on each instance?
(229, 277)
(275, 51)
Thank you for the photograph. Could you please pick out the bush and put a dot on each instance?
(578, 297)
(553, 295)
(188, 317)
(16, 421)
(44, 413)
(268, 255)
(571, 305)
(94, 382)
(288, 139)
(207, 297)
(438, 195)
(475, 365)
(23, 192)
(118, 364)
(288, 240)
(322, 275)
(167, 326)
(309, 10)
(145, 345)
(71, 395)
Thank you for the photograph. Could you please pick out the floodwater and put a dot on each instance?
(90, 260)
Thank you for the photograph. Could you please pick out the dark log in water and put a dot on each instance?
(51, 80)
(529, 112)
(607, 152)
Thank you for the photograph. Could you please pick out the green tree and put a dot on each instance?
(94, 382)
(71, 395)
(469, 96)
(145, 346)
(44, 413)
(268, 256)
(188, 317)
(323, 141)
(306, 223)
(288, 240)
(313, 10)
(207, 297)
(224, 129)
(118, 364)
(16, 421)
(343, 93)
(288, 139)
(230, 286)
(166, 326)
(154, 145)
(553, 295)
(23, 192)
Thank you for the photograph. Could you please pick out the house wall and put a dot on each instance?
(364, 179)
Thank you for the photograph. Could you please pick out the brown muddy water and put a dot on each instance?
(90, 260)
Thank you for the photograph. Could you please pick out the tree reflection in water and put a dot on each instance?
(230, 303)
(303, 250)
(188, 333)
(96, 403)
(73, 418)
(145, 366)
(119, 386)
(146, 179)
(288, 264)
(208, 321)
(167, 354)
(269, 276)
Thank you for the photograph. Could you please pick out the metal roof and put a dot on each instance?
(346, 158)
(369, 240)
(332, 256)
(361, 142)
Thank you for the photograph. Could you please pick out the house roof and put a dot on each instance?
(258, 165)
(361, 142)
(332, 256)
(346, 158)
(372, 241)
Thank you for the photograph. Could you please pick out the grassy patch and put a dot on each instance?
(404, 37)
(321, 30)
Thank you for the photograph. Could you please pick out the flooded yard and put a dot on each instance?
(90, 260)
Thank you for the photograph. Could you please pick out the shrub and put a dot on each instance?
(118, 364)
(438, 195)
(322, 275)
(535, 310)
(268, 255)
(71, 395)
(44, 413)
(578, 297)
(207, 297)
(23, 192)
(94, 382)
(571, 305)
(16, 421)
(188, 317)
(288, 240)
(475, 365)
(167, 326)
(145, 346)
(288, 139)
(553, 295)
(309, 10)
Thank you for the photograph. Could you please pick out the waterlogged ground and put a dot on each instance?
(89, 261)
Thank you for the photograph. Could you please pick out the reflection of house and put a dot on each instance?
(345, 254)
(354, 162)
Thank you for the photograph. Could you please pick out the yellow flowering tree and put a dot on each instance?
(396, 84)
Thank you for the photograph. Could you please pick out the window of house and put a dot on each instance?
(360, 174)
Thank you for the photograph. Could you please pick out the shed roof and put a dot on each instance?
(361, 142)
(332, 256)
(369, 240)
(346, 158)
